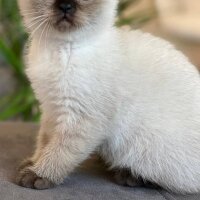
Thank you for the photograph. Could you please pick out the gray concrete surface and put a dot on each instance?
(90, 181)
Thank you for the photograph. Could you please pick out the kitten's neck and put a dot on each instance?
(79, 41)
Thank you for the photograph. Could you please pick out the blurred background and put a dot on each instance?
(178, 21)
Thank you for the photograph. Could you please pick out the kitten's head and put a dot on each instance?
(66, 17)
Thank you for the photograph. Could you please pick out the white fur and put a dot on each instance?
(129, 94)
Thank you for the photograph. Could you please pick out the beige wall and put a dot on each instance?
(180, 17)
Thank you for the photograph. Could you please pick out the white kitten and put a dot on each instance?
(130, 95)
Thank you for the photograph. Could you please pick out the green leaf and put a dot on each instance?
(11, 59)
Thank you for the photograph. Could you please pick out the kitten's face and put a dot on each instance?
(66, 15)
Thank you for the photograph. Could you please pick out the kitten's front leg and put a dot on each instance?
(58, 155)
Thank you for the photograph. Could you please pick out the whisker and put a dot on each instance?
(37, 16)
(43, 31)
(47, 32)
(41, 16)
(28, 9)
(31, 13)
(36, 29)
(34, 23)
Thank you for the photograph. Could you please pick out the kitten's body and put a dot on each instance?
(130, 95)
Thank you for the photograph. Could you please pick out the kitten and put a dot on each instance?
(129, 95)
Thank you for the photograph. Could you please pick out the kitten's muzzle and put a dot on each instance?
(67, 7)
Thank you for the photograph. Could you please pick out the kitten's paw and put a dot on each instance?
(29, 179)
(124, 177)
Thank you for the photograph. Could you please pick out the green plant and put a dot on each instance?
(22, 104)
(136, 19)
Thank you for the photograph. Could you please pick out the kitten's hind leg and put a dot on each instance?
(125, 177)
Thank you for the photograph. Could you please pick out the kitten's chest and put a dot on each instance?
(60, 74)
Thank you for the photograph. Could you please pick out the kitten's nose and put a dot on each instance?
(67, 6)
